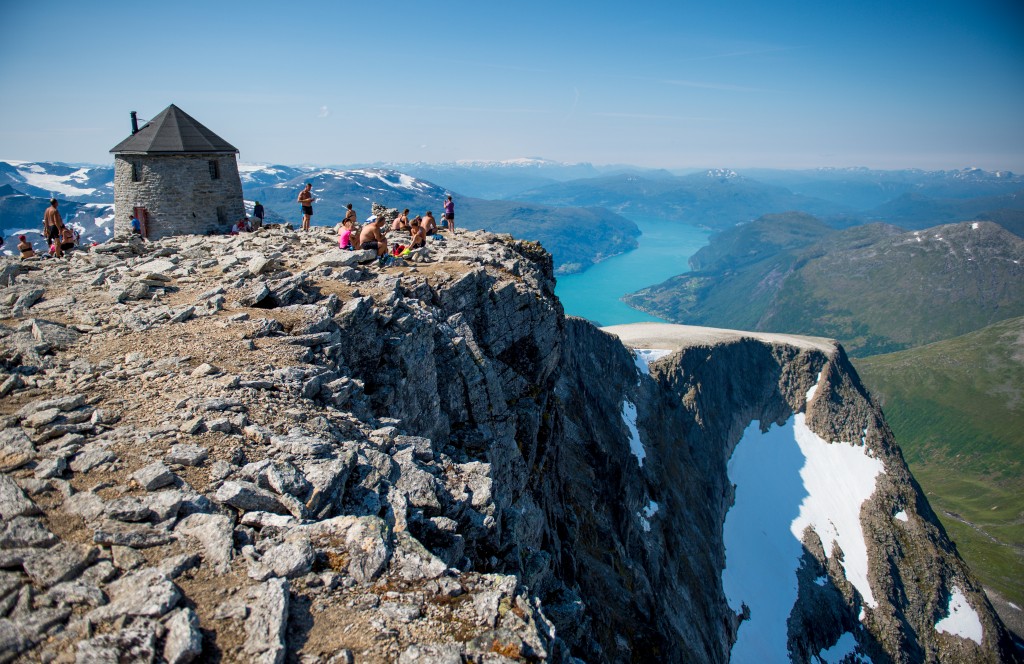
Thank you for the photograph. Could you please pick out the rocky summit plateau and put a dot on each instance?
(260, 448)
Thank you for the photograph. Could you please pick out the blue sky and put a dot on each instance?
(668, 84)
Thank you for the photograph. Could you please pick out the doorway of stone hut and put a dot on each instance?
(143, 216)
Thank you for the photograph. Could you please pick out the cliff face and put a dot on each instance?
(432, 463)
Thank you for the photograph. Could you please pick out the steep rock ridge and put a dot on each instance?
(727, 380)
(298, 456)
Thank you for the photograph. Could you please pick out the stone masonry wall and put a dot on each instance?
(178, 193)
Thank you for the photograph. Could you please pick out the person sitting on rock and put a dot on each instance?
(419, 237)
(67, 239)
(370, 238)
(429, 225)
(345, 235)
(401, 222)
(25, 247)
(241, 227)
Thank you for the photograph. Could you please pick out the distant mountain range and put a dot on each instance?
(720, 198)
(508, 179)
(875, 287)
(713, 199)
(46, 179)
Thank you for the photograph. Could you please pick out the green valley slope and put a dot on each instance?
(957, 409)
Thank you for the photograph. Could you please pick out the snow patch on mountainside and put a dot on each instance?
(636, 446)
(789, 479)
(644, 356)
(961, 619)
(838, 477)
(37, 176)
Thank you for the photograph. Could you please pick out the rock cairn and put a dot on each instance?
(190, 473)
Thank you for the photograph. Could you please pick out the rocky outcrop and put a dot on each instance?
(234, 448)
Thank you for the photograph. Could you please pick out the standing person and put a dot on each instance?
(136, 226)
(306, 201)
(449, 214)
(257, 216)
(53, 224)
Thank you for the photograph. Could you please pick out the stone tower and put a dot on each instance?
(177, 176)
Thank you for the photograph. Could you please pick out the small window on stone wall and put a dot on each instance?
(222, 214)
(214, 170)
(136, 172)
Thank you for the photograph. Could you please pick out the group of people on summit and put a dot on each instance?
(58, 236)
(370, 236)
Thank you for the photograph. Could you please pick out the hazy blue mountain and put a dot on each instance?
(866, 189)
(873, 287)
(916, 211)
(506, 179)
(713, 199)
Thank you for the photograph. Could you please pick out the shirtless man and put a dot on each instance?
(429, 225)
(371, 237)
(306, 201)
(52, 226)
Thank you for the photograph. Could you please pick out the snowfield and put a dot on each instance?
(961, 619)
(644, 356)
(789, 479)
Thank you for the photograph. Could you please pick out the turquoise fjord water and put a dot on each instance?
(665, 247)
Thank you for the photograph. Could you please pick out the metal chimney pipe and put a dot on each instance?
(135, 122)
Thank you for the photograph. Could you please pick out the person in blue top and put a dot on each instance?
(136, 226)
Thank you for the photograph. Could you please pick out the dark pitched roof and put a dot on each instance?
(173, 131)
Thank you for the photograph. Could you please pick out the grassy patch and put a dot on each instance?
(957, 409)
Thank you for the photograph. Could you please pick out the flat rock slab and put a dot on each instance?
(268, 618)
(153, 476)
(213, 532)
(184, 641)
(63, 562)
(340, 258)
(137, 537)
(669, 336)
(157, 266)
(13, 501)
